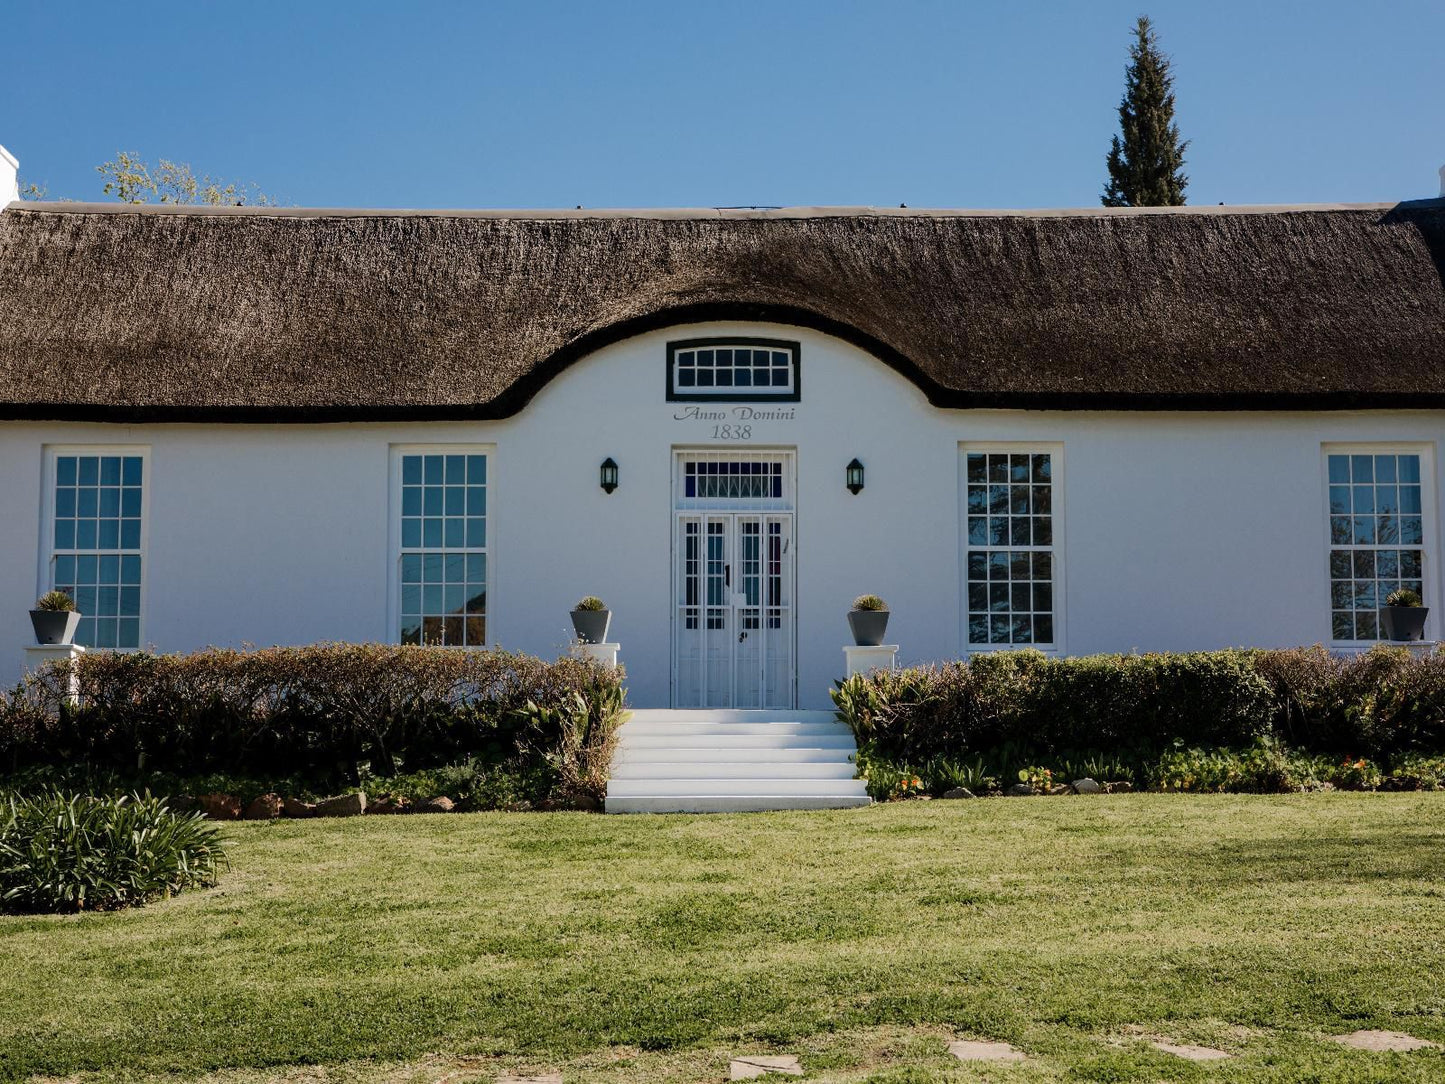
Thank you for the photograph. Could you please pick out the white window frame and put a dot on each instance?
(393, 534)
(1055, 449)
(1428, 538)
(735, 393)
(51, 453)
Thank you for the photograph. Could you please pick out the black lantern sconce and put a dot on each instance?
(609, 475)
(855, 477)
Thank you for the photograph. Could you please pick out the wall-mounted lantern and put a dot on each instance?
(855, 477)
(609, 475)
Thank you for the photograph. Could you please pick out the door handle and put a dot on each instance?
(727, 575)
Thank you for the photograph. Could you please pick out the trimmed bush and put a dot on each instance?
(1386, 702)
(324, 713)
(1055, 706)
(1025, 707)
(72, 853)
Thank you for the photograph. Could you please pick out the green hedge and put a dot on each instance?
(1383, 703)
(325, 712)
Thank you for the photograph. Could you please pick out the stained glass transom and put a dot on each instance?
(737, 479)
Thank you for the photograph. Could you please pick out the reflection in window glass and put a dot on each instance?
(96, 545)
(443, 550)
(1010, 532)
(1377, 536)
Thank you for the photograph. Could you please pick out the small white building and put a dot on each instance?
(1084, 431)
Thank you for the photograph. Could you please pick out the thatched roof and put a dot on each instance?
(124, 313)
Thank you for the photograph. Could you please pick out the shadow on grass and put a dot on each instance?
(1359, 858)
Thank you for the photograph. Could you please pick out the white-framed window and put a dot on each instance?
(1012, 533)
(439, 532)
(94, 523)
(1380, 504)
(739, 370)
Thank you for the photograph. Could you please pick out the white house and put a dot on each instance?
(1089, 430)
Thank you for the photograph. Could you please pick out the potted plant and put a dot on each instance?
(1403, 617)
(590, 620)
(869, 620)
(54, 618)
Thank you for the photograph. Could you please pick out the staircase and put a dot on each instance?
(716, 761)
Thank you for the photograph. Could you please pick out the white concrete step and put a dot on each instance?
(785, 754)
(733, 761)
(661, 727)
(842, 743)
(732, 715)
(736, 769)
(732, 803)
(682, 788)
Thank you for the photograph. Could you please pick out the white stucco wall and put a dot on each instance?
(1177, 530)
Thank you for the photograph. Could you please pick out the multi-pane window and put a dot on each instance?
(1010, 553)
(443, 556)
(761, 571)
(96, 544)
(761, 544)
(739, 479)
(1377, 537)
(712, 572)
(732, 369)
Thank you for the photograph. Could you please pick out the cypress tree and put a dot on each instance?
(1145, 166)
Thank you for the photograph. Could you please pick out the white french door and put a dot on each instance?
(734, 632)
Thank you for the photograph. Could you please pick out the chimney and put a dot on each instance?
(1442, 180)
(10, 177)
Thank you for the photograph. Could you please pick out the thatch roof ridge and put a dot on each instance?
(757, 212)
(129, 313)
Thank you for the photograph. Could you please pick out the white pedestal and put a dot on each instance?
(606, 654)
(860, 660)
(37, 655)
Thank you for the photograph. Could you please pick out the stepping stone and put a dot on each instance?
(1191, 1053)
(1381, 1041)
(978, 1050)
(754, 1066)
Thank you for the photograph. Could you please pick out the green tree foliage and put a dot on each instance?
(1146, 164)
(130, 179)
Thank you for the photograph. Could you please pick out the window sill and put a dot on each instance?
(1359, 647)
(990, 649)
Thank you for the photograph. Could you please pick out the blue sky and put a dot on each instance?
(554, 104)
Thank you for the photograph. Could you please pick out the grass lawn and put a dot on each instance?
(649, 948)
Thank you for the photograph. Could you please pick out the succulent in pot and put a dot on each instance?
(591, 619)
(54, 618)
(869, 620)
(1403, 617)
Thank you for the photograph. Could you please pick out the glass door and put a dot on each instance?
(733, 627)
